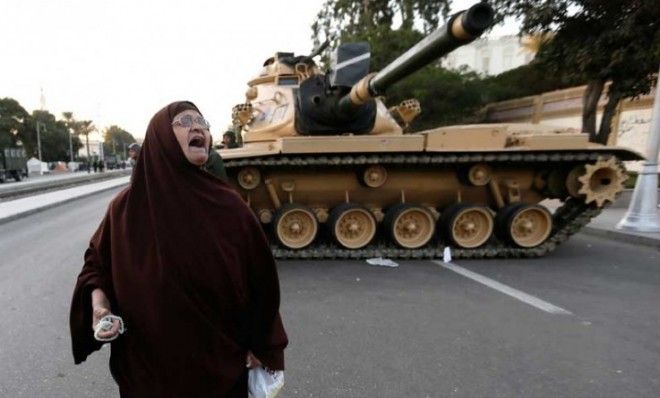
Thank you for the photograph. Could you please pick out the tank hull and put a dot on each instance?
(489, 169)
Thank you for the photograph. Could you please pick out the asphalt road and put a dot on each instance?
(364, 331)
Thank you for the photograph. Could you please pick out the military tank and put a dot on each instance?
(331, 172)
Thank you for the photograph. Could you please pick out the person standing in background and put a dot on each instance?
(229, 140)
(133, 152)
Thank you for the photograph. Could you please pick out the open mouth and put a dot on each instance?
(196, 141)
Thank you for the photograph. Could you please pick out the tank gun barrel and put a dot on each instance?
(461, 29)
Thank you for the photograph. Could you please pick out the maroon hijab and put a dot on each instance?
(185, 263)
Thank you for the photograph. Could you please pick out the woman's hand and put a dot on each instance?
(97, 315)
(101, 308)
(251, 361)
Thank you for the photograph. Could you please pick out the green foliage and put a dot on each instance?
(115, 139)
(632, 180)
(12, 122)
(614, 40)
(18, 127)
(595, 41)
(54, 137)
(386, 44)
(446, 97)
(453, 97)
(523, 81)
(373, 20)
(80, 129)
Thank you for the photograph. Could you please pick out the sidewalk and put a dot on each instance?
(41, 184)
(605, 226)
(14, 209)
(62, 176)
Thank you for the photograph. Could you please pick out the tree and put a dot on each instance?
(373, 21)
(54, 136)
(84, 128)
(446, 96)
(525, 80)
(13, 119)
(115, 139)
(79, 127)
(73, 127)
(595, 41)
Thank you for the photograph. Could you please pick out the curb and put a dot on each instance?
(638, 240)
(50, 206)
(9, 192)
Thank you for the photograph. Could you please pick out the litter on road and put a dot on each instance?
(382, 262)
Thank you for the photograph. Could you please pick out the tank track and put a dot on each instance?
(568, 219)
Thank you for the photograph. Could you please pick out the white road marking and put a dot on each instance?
(502, 288)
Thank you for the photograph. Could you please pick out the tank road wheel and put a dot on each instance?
(524, 225)
(467, 226)
(295, 226)
(409, 226)
(476, 175)
(249, 178)
(352, 226)
(374, 176)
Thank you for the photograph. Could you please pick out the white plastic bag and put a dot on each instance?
(383, 262)
(446, 255)
(264, 384)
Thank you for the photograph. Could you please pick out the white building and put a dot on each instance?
(490, 56)
(95, 145)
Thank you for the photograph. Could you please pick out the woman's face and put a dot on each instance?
(192, 133)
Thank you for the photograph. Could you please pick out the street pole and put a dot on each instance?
(39, 140)
(642, 215)
(70, 146)
(89, 163)
(39, 145)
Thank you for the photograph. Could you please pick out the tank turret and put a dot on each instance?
(293, 97)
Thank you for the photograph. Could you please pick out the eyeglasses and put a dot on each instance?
(188, 120)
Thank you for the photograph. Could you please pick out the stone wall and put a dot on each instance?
(631, 123)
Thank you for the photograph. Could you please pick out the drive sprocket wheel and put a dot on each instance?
(601, 181)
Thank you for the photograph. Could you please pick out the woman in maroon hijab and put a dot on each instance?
(184, 262)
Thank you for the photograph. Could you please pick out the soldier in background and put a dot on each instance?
(133, 152)
(214, 165)
(229, 140)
